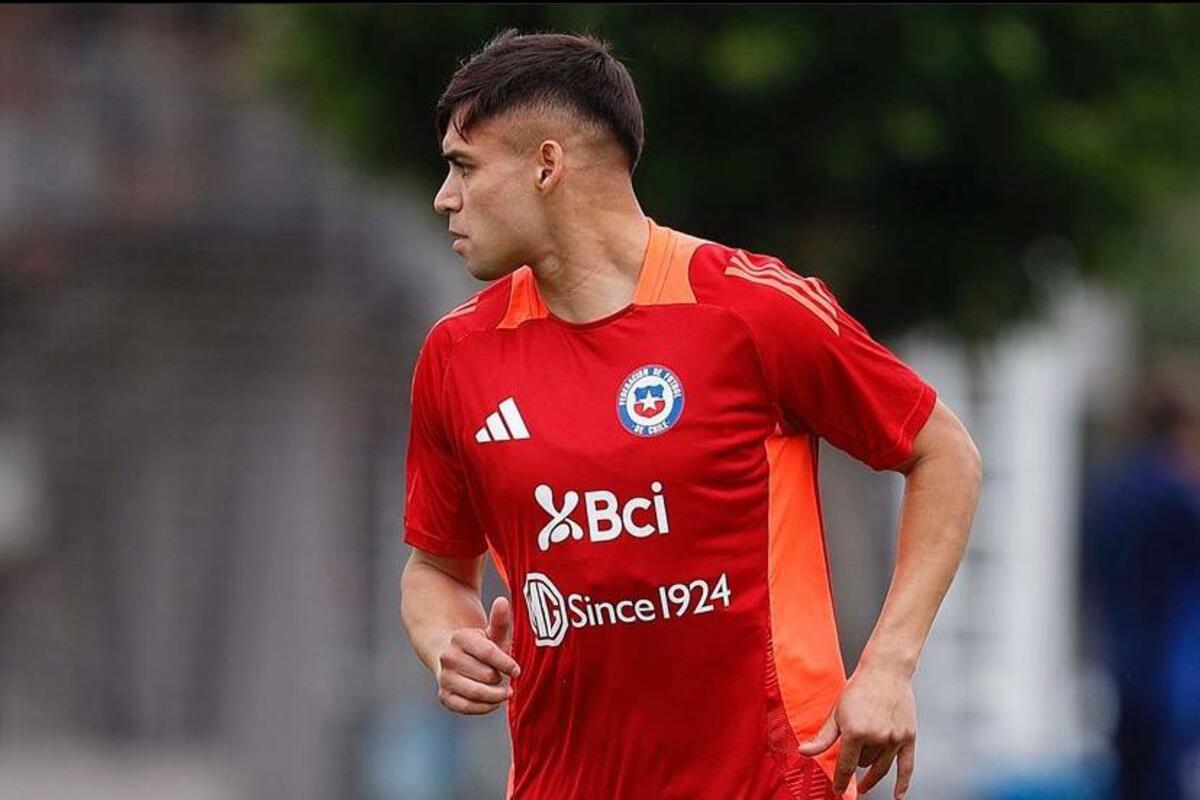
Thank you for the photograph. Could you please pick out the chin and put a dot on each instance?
(490, 271)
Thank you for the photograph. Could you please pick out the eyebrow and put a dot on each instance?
(454, 155)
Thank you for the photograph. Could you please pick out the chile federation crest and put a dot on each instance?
(650, 400)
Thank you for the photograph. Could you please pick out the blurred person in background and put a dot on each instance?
(691, 650)
(1142, 569)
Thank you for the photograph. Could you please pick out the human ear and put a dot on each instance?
(550, 164)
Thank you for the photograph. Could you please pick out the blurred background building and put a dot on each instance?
(206, 334)
(218, 258)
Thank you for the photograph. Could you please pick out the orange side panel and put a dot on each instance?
(808, 661)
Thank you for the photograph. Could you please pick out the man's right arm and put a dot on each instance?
(465, 649)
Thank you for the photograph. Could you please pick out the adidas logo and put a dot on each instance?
(503, 425)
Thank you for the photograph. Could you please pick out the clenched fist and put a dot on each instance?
(472, 667)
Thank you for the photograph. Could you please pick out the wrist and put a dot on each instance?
(899, 664)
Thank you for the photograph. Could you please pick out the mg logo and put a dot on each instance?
(607, 517)
(547, 610)
(551, 613)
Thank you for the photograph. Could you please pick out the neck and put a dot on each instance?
(592, 261)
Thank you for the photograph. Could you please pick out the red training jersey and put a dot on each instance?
(647, 486)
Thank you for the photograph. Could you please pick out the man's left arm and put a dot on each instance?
(875, 716)
(831, 379)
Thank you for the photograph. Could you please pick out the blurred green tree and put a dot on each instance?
(932, 163)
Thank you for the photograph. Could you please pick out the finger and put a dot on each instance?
(499, 628)
(905, 758)
(468, 666)
(462, 705)
(847, 760)
(473, 690)
(486, 651)
(823, 739)
(870, 754)
(879, 768)
(456, 659)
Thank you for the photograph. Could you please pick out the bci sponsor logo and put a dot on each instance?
(606, 517)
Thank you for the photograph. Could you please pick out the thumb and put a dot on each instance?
(499, 628)
(823, 739)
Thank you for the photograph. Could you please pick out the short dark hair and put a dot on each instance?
(573, 71)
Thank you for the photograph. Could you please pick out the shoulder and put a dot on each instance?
(481, 311)
(759, 287)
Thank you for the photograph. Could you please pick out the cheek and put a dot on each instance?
(517, 203)
(498, 206)
(482, 198)
(504, 214)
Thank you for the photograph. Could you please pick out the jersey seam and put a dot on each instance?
(854, 436)
(455, 437)
(450, 547)
(758, 357)
(454, 346)
(892, 456)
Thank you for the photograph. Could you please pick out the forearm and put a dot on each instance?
(434, 604)
(941, 492)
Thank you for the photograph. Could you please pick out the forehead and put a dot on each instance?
(483, 138)
(452, 141)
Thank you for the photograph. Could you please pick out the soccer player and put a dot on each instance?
(627, 417)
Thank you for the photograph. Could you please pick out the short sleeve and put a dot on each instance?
(827, 373)
(438, 515)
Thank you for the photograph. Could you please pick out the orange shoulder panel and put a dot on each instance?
(524, 302)
(664, 277)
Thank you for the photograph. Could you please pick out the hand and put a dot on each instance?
(474, 662)
(876, 718)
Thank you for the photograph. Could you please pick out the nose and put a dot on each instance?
(447, 198)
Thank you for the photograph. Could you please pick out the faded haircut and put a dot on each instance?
(577, 73)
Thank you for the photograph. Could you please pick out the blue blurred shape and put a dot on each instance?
(412, 753)
(1089, 779)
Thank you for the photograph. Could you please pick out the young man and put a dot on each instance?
(627, 417)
